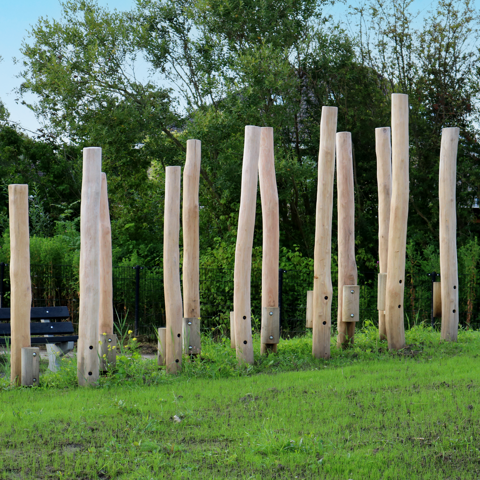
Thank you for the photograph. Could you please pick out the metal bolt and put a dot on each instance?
(190, 347)
(352, 315)
(47, 311)
(352, 291)
(271, 313)
(271, 337)
(109, 339)
(34, 354)
(34, 379)
(189, 323)
(51, 326)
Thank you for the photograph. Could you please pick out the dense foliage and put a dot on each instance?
(216, 66)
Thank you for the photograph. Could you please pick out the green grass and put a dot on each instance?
(365, 414)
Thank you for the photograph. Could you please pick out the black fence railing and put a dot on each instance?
(138, 296)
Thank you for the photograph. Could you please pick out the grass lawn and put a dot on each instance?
(365, 414)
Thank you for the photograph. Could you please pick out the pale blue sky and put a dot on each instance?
(16, 17)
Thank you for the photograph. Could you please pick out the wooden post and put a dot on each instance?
(108, 339)
(243, 250)
(271, 245)
(232, 330)
(397, 231)
(322, 277)
(437, 299)
(191, 249)
(30, 366)
(309, 312)
(382, 293)
(20, 289)
(448, 233)
(171, 270)
(88, 366)
(105, 320)
(347, 266)
(384, 180)
(162, 342)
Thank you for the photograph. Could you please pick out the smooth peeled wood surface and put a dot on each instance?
(162, 342)
(271, 228)
(351, 303)
(437, 299)
(322, 276)
(270, 332)
(87, 349)
(309, 313)
(30, 366)
(105, 320)
(383, 151)
(232, 330)
(191, 336)
(397, 236)
(381, 292)
(191, 235)
(171, 269)
(448, 233)
(243, 250)
(108, 351)
(20, 286)
(347, 266)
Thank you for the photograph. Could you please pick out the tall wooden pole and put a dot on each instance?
(171, 270)
(243, 250)
(87, 350)
(397, 232)
(21, 292)
(384, 181)
(191, 247)
(271, 239)
(448, 233)
(322, 278)
(105, 320)
(347, 266)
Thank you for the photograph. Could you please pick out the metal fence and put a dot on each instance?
(138, 296)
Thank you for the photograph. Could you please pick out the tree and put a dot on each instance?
(437, 66)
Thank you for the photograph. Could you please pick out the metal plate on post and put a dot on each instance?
(191, 336)
(351, 303)
(270, 325)
(108, 352)
(30, 366)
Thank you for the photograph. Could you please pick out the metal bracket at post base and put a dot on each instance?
(191, 336)
(270, 333)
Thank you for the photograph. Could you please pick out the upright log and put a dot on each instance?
(322, 277)
(191, 249)
(171, 270)
(243, 250)
(271, 239)
(448, 233)
(384, 181)
(88, 324)
(347, 266)
(397, 232)
(105, 321)
(20, 286)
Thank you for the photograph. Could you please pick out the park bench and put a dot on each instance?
(46, 328)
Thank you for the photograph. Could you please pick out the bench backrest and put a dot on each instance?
(39, 313)
(37, 328)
